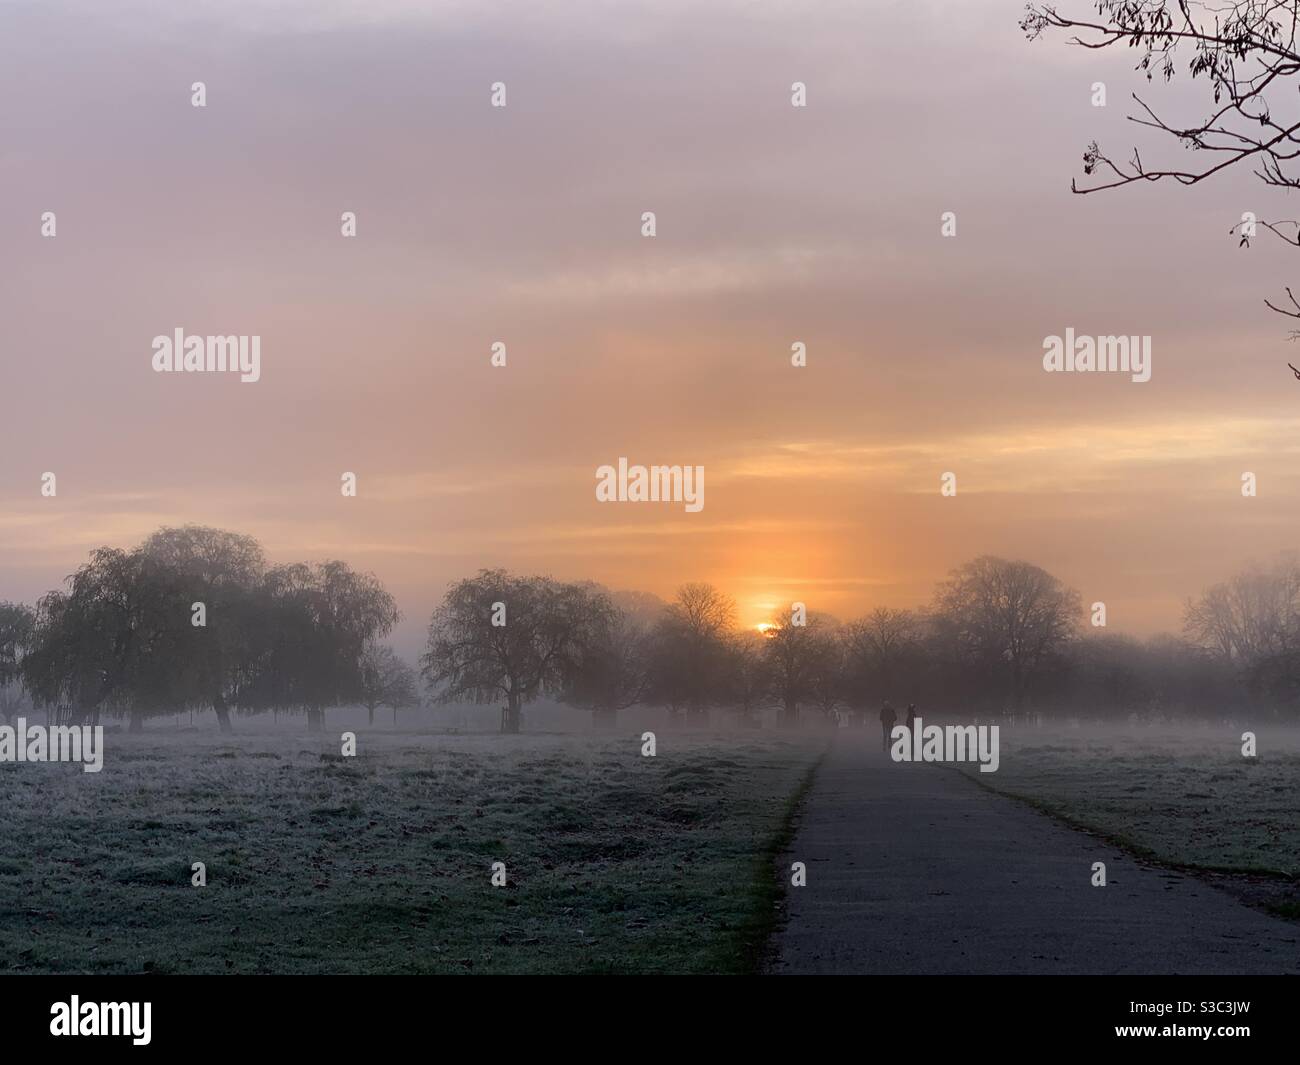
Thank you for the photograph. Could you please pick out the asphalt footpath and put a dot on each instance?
(916, 869)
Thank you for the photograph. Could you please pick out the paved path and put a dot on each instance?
(915, 869)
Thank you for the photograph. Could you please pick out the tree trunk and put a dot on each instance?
(315, 720)
(511, 715)
(137, 722)
(223, 716)
(371, 711)
(789, 714)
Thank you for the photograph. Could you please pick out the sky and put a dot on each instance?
(522, 224)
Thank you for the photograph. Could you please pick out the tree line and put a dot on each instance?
(196, 618)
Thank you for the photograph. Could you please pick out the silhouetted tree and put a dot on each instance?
(93, 644)
(545, 623)
(829, 688)
(17, 630)
(1248, 55)
(747, 683)
(609, 671)
(314, 624)
(1009, 619)
(222, 570)
(881, 650)
(689, 651)
(1252, 622)
(804, 664)
(386, 680)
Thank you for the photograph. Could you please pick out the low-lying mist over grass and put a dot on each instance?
(615, 862)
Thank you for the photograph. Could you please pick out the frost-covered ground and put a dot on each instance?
(614, 861)
(1180, 796)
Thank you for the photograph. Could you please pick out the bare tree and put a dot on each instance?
(803, 663)
(747, 684)
(1009, 618)
(386, 680)
(879, 649)
(610, 671)
(1252, 621)
(828, 687)
(689, 651)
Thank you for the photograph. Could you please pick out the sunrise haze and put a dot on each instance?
(775, 225)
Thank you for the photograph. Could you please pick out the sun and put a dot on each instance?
(764, 627)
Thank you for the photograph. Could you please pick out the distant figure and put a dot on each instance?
(911, 718)
(887, 719)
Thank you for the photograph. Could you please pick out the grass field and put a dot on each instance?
(1184, 798)
(382, 863)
